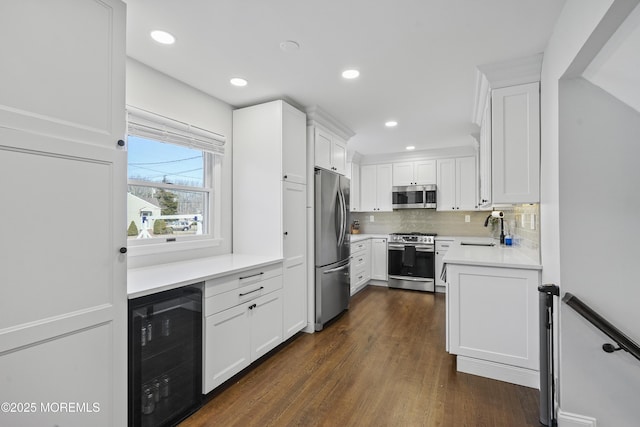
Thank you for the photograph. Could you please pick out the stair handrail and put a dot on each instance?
(624, 342)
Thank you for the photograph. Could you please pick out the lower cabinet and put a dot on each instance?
(379, 259)
(442, 246)
(493, 322)
(241, 324)
(360, 270)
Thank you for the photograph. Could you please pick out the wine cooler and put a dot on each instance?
(165, 356)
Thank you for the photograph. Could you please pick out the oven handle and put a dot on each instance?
(400, 247)
(412, 279)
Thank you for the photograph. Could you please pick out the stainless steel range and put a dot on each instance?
(412, 261)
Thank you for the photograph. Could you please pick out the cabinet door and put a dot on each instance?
(266, 324)
(339, 156)
(425, 172)
(294, 144)
(295, 265)
(368, 188)
(403, 173)
(355, 187)
(322, 149)
(63, 293)
(494, 314)
(384, 177)
(379, 259)
(515, 144)
(227, 345)
(446, 182)
(485, 157)
(466, 184)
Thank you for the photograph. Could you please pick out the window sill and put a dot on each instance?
(169, 247)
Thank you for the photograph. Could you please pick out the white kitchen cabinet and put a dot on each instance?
(515, 144)
(485, 157)
(354, 200)
(62, 112)
(360, 268)
(330, 150)
(456, 183)
(375, 188)
(420, 172)
(442, 246)
(379, 259)
(243, 316)
(269, 176)
(493, 322)
(295, 260)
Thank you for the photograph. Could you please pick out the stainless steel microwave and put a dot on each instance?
(414, 196)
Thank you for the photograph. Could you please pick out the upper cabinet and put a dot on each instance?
(421, 172)
(515, 144)
(457, 184)
(330, 151)
(507, 109)
(375, 188)
(327, 139)
(355, 187)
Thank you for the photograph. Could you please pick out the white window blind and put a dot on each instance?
(146, 124)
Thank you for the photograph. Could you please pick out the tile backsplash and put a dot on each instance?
(453, 223)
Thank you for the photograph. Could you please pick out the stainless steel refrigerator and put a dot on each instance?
(332, 246)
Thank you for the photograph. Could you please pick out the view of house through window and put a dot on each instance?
(169, 190)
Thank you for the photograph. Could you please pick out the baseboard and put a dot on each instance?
(567, 419)
(499, 371)
(375, 282)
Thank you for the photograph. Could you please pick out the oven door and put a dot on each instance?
(408, 197)
(412, 268)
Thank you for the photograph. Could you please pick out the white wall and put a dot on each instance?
(153, 91)
(577, 163)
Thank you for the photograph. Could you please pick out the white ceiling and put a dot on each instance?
(417, 58)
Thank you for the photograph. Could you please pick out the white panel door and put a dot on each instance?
(384, 185)
(425, 172)
(368, 188)
(446, 193)
(515, 144)
(339, 156)
(295, 264)
(294, 144)
(227, 345)
(266, 324)
(403, 173)
(379, 259)
(63, 297)
(466, 184)
(354, 199)
(322, 149)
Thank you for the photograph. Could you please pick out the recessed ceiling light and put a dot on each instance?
(391, 124)
(163, 37)
(237, 81)
(289, 46)
(410, 147)
(350, 74)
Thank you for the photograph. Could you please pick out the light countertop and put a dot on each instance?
(490, 256)
(149, 280)
(358, 237)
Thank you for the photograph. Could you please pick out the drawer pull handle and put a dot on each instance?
(253, 275)
(250, 292)
(251, 307)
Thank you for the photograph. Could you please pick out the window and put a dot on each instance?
(171, 180)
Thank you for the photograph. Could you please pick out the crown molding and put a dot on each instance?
(316, 115)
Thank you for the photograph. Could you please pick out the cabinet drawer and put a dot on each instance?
(240, 295)
(362, 245)
(238, 280)
(443, 245)
(359, 261)
(359, 277)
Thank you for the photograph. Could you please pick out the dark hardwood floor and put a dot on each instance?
(382, 363)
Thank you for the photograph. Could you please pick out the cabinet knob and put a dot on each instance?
(120, 143)
(285, 177)
(123, 250)
(286, 233)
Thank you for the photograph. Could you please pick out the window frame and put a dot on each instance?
(212, 174)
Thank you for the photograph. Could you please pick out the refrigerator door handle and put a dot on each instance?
(342, 217)
(333, 270)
